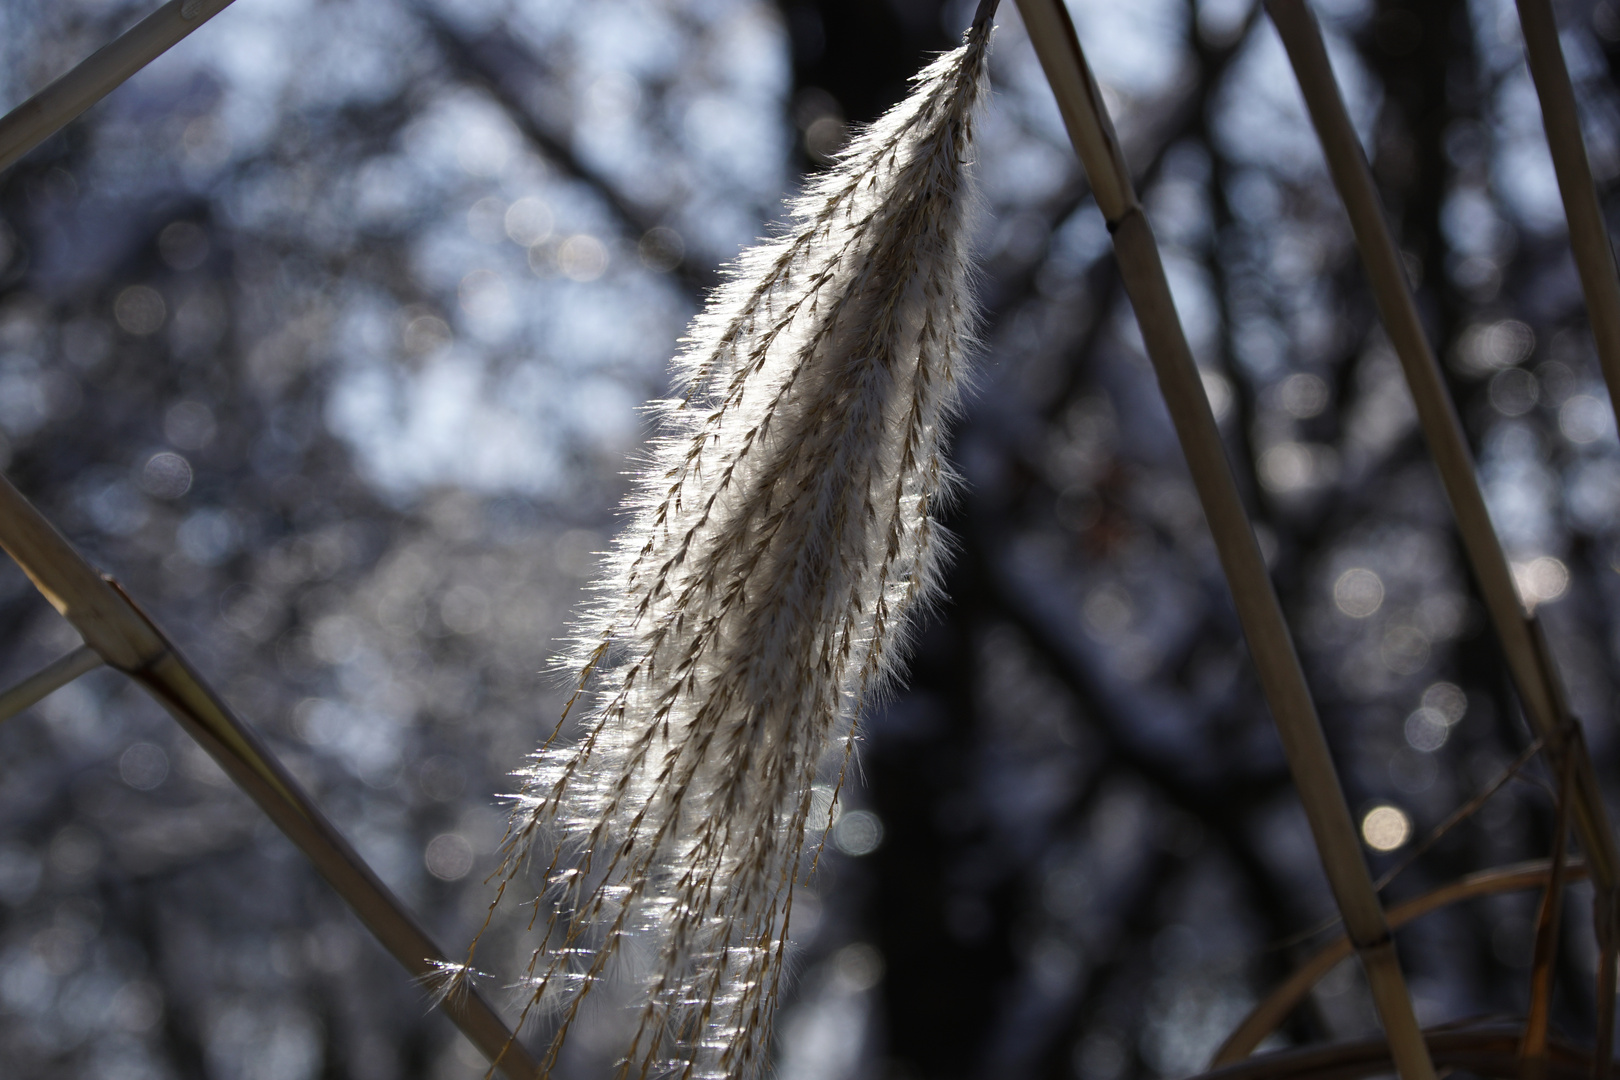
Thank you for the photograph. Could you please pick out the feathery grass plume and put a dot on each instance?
(781, 534)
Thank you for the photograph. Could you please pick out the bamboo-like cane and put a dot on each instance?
(1265, 1017)
(60, 103)
(1528, 659)
(1588, 231)
(47, 680)
(1521, 636)
(1270, 644)
(122, 635)
(1600, 283)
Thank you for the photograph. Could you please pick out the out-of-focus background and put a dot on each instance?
(327, 333)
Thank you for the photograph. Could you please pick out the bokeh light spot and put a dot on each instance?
(183, 245)
(661, 249)
(528, 221)
(1405, 650)
(858, 832)
(1426, 730)
(448, 857)
(582, 258)
(166, 476)
(140, 310)
(1540, 580)
(1359, 592)
(1584, 419)
(143, 766)
(1303, 395)
(1386, 828)
(1447, 699)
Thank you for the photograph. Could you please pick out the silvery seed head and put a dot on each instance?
(780, 539)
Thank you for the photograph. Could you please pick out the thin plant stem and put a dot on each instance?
(1603, 999)
(125, 638)
(1533, 1050)
(47, 680)
(1588, 230)
(1522, 638)
(1462, 813)
(1265, 1017)
(99, 74)
(1270, 643)
(1458, 816)
(1533, 671)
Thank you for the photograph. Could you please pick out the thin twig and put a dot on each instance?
(47, 680)
(99, 74)
(1462, 813)
(1588, 229)
(1270, 644)
(1533, 1050)
(116, 629)
(1264, 1018)
(1458, 816)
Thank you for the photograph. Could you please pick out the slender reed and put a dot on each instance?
(1588, 229)
(1600, 283)
(1270, 644)
(1533, 1047)
(1603, 918)
(47, 680)
(125, 638)
(1523, 642)
(99, 74)
(1533, 670)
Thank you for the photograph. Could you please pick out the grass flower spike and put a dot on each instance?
(781, 535)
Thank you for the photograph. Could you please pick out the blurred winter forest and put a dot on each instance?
(327, 333)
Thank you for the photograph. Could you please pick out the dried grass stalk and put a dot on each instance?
(780, 536)
(1588, 229)
(1600, 283)
(1603, 918)
(1270, 643)
(1537, 677)
(1533, 670)
(47, 680)
(1523, 641)
(99, 74)
(125, 638)
(1533, 1048)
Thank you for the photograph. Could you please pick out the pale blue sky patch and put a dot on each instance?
(447, 424)
(1136, 48)
(1260, 117)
